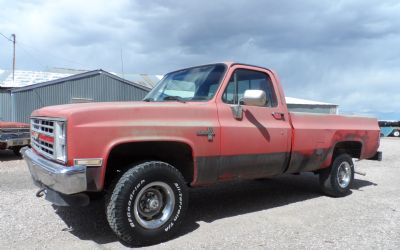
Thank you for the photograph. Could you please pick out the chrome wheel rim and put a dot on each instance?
(154, 205)
(344, 174)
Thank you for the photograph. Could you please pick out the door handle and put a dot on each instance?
(278, 115)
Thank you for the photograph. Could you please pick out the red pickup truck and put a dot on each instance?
(14, 136)
(197, 127)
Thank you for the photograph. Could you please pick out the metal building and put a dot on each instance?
(5, 104)
(92, 86)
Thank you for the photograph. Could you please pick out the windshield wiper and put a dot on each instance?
(148, 99)
(174, 98)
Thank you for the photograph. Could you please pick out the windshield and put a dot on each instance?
(193, 84)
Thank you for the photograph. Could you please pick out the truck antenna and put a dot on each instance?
(122, 64)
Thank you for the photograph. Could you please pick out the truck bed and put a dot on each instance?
(316, 135)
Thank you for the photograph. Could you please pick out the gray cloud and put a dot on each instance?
(344, 52)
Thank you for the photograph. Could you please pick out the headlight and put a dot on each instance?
(60, 141)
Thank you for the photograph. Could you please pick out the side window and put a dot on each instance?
(242, 80)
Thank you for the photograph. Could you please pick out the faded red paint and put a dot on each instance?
(95, 128)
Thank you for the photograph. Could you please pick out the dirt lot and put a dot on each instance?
(285, 212)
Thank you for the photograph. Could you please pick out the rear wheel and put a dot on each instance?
(396, 133)
(337, 179)
(148, 203)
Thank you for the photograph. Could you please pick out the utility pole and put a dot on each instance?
(13, 40)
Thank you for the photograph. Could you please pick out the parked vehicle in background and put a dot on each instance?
(14, 136)
(197, 127)
(390, 128)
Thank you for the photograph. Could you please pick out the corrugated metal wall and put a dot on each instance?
(98, 88)
(5, 106)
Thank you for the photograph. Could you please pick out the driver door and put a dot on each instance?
(258, 144)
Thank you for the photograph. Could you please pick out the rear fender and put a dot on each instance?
(345, 146)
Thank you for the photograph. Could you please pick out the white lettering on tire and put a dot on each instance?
(131, 196)
(178, 212)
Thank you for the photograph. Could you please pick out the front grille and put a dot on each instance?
(42, 136)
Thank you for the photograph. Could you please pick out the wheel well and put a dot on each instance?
(352, 148)
(177, 154)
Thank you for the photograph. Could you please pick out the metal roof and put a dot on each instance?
(78, 76)
(67, 70)
(146, 80)
(23, 78)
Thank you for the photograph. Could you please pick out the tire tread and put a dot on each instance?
(327, 177)
(114, 202)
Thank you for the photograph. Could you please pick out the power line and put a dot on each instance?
(51, 54)
(23, 49)
(32, 51)
(31, 55)
(6, 37)
(14, 40)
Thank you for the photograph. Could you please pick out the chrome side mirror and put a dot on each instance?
(251, 97)
(255, 97)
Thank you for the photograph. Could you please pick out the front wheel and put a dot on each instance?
(337, 179)
(396, 133)
(148, 203)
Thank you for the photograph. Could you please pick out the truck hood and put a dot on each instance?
(13, 125)
(84, 113)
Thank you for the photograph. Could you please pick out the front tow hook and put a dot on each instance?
(360, 173)
(40, 193)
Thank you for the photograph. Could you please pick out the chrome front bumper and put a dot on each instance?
(48, 174)
(14, 143)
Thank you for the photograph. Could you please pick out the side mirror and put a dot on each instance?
(251, 97)
(255, 97)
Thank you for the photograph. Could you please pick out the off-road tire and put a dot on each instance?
(328, 178)
(121, 201)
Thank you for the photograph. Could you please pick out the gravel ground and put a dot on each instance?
(284, 212)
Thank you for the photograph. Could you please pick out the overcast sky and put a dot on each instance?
(344, 52)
